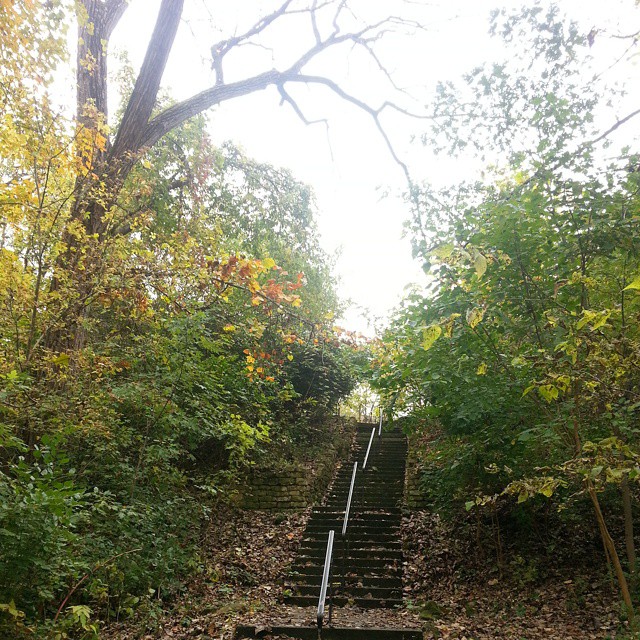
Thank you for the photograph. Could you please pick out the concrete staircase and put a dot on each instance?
(367, 567)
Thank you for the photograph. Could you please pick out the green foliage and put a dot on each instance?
(140, 372)
(521, 360)
(40, 510)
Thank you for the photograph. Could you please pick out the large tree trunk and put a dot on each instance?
(107, 167)
(112, 165)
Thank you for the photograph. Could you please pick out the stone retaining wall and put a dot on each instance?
(294, 486)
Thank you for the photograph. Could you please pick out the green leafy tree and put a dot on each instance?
(522, 352)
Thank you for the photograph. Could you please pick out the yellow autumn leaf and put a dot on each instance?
(430, 335)
(474, 316)
(480, 264)
(443, 252)
(635, 284)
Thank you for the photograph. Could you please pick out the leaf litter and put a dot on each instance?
(450, 591)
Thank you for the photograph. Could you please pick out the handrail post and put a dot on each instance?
(380, 425)
(326, 577)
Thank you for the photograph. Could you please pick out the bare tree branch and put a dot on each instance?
(179, 113)
(374, 113)
(294, 105)
(314, 22)
(611, 129)
(140, 130)
(220, 49)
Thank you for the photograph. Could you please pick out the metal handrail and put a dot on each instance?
(380, 425)
(345, 522)
(366, 458)
(326, 582)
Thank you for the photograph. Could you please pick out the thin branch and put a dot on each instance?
(286, 97)
(294, 105)
(615, 126)
(617, 36)
(90, 573)
(374, 113)
(336, 16)
(314, 22)
(617, 61)
(220, 49)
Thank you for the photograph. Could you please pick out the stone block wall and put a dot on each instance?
(294, 486)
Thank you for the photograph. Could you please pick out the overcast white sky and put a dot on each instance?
(349, 166)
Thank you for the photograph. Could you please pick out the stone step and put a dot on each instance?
(372, 545)
(373, 515)
(369, 496)
(354, 564)
(393, 485)
(390, 488)
(342, 601)
(313, 579)
(370, 492)
(338, 503)
(379, 553)
(366, 576)
(372, 474)
(392, 511)
(378, 485)
(336, 520)
(328, 633)
(379, 593)
(354, 540)
(363, 503)
(352, 530)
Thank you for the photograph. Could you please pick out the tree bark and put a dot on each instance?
(130, 138)
(96, 22)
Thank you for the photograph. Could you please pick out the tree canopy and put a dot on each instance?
(521, 358)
